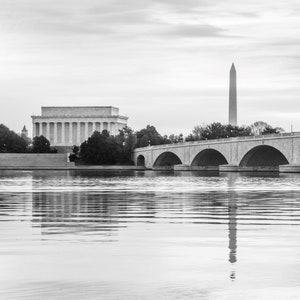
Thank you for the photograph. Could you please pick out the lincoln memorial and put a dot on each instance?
(68, 126)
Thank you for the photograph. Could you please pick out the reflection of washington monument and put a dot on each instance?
(232, 223)
(232, 228)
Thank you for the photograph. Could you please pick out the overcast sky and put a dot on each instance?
(162, 62)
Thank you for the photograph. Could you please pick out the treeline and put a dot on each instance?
(11, 142)
(105, 149)
(219, 131)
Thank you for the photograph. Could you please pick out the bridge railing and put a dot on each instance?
(238, 138)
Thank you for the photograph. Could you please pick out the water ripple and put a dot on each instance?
(81, 235)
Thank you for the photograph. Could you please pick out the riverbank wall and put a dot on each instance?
(23, 161)
(51, 161)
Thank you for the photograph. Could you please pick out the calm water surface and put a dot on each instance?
(149, 235)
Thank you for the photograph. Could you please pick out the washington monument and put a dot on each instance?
(232, 97)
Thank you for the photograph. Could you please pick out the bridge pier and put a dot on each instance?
(204, 168)
(235, 168)
(228, 168)
(289, 168)
(163, 168)
(184, 167)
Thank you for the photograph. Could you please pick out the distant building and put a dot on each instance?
(24, 132)
(67, 126)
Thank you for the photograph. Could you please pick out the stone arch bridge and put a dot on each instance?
(277, 152)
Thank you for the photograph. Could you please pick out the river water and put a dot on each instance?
(149, 235)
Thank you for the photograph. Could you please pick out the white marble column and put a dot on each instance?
(55, 133)
(71, 133)
(48, 131)
(100, 127)
(94, 127)
(78, 134)
(63, 142)
(39, 131)
(34, 130)
(86, 130)
(105, 126)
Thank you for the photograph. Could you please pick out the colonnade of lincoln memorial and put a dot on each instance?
(67, 126)
(71, 133)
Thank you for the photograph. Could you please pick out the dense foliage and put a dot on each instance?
(11, 142)
(260, 127)
(128, 140)
(218, 131)
(74, 156)
(104, 149)
(41, 145)
(149, 136)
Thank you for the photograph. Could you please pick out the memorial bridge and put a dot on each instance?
(276, 152)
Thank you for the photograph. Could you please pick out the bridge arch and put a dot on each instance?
(167, 159)
(209, 157)
(263, 155)
(140, 161)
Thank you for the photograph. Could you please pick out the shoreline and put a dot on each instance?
(73, 168)
(285, 169)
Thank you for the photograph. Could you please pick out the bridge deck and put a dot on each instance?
(225, 140)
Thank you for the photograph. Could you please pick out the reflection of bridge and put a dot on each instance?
(277, 152)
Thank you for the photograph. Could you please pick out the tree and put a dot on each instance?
(127, 140)
(101, 149)
(149, 136)
(217, 130)
(94, 149)
(234, 131)
(211, 131)
(271, 130)
(40, 145)
(11, 142)
(75, 153)
(197, 133)
(190, 138)
(175, 138)
(260, 127)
